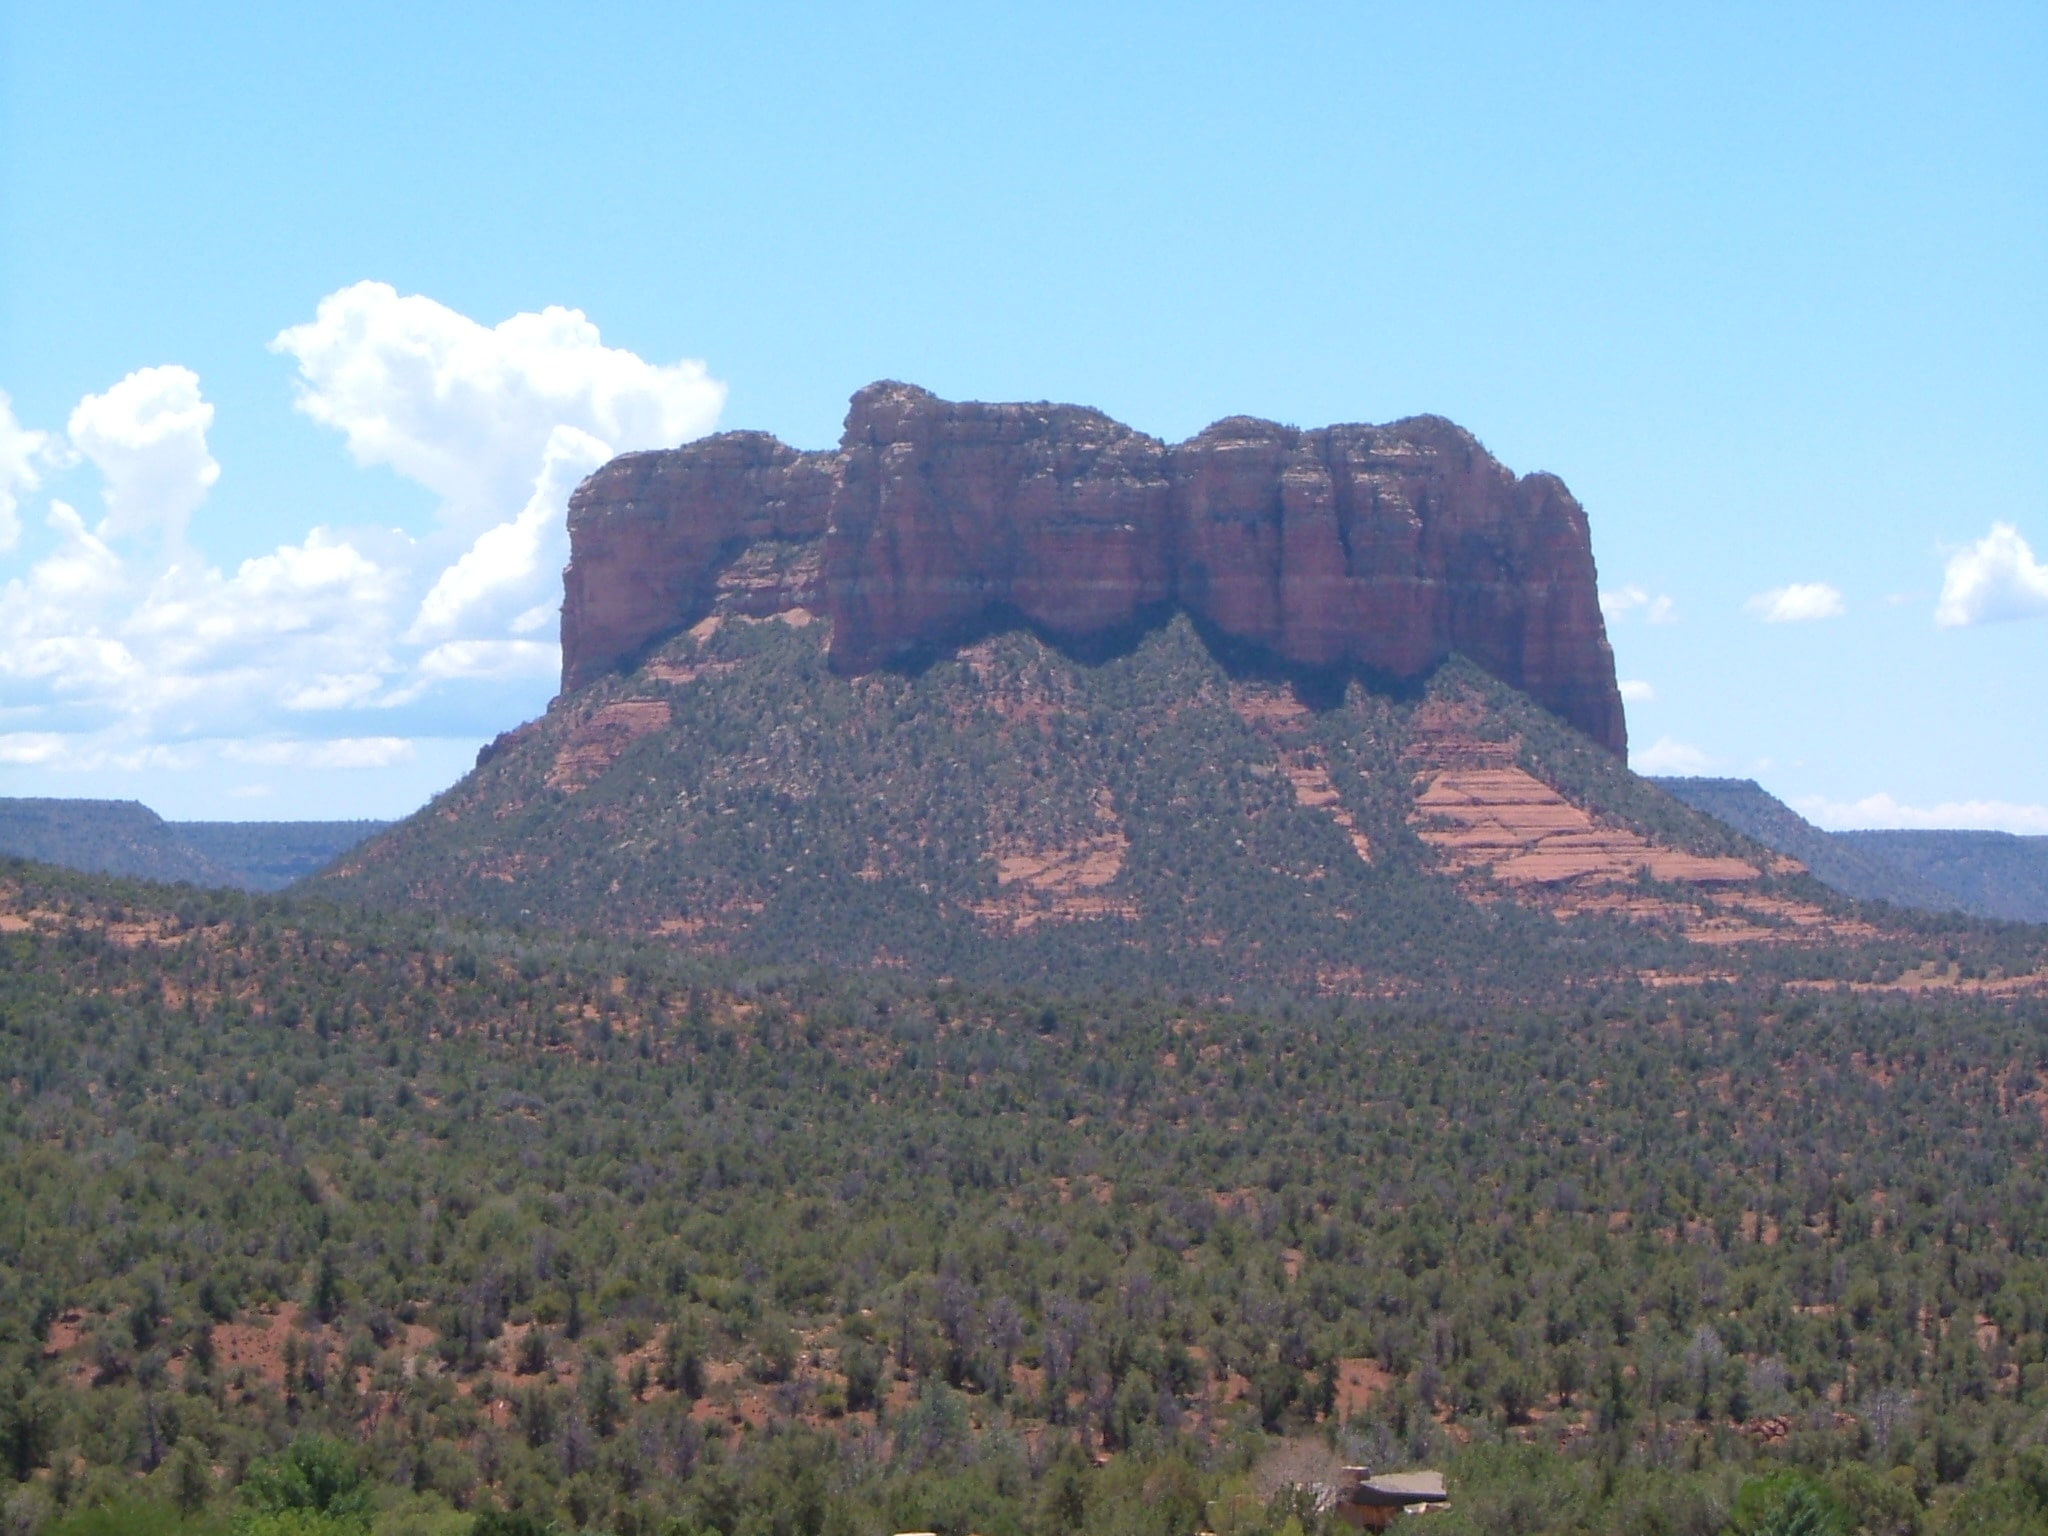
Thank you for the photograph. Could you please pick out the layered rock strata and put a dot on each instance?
(1351, 548)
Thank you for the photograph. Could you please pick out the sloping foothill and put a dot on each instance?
(1012, 813)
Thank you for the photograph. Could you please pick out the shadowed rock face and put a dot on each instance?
(1379, 549)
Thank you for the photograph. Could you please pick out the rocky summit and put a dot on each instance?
(1372, 551)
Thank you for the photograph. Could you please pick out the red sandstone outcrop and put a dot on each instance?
(1375, 549)
(948, 511)
(650, 532)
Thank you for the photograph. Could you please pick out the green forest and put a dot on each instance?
(318, 1221)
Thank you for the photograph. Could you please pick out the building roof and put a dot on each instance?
(1397, 1488)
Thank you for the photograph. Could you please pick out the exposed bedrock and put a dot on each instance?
(649, 533)
(1380, 549)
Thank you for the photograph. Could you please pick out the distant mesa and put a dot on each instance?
(128, 840)
(1986, 874)
(1367, 550)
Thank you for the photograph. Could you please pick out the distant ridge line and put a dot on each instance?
(1985, 874)
(127, 839)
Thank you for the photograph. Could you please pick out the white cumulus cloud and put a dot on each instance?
(1881, 811)
(56, 622)
(491, 658)
(1620, 603)
(23, 456)
(121, 649)
(481, 661)
(314, 610)
(1993, 579)
(1669, 756)
(500, 422)
(169, 649)
(1800, 603)
(1635, 691)
(513, 562)
(148, 436)
(468, 410)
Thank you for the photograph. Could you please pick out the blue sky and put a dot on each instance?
(281, 473)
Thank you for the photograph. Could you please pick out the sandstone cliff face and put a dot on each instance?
(649, 533)
(948, 511)
(1377, 549)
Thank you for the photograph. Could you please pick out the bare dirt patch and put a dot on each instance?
(1060, 883)
(66, 1333)
(1260, 705)
(1314, 791)
(601, 740)
(1276, 714)
(1359, 1381)
(256, 1346)
(16, 916)
(2034, 983)
(1499, 829)
(675, 671)
(1511, 823)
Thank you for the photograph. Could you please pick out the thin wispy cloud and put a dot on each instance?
(340, 752)
(1882, 812)
(1618, 604)
(1670, 756)
(1802, 602)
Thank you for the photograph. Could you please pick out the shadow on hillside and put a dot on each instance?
(1318, 688)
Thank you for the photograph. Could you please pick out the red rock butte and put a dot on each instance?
(1362, 549)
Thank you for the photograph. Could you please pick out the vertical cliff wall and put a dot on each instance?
(1378, 549)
